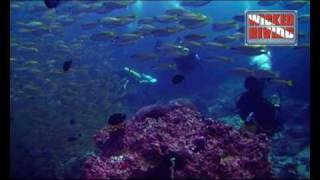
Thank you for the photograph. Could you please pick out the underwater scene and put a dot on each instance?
(135, 89)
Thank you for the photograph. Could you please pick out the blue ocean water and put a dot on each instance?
(55, 113)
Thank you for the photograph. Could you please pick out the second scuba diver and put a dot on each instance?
(132, 75)
(259, 114)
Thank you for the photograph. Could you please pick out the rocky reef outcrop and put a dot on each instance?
(175, 141)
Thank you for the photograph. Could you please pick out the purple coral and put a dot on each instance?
(177, 142)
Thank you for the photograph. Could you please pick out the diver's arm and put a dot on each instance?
(266, 81)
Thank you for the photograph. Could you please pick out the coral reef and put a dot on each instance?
(175, 141)
(223, 102)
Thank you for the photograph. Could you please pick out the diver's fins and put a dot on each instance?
(51, 3)
(157, 46)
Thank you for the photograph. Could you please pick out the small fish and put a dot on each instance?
(66, 20)
(127, 38)
(191, 44)
(117, 4)
(166, 66)
(170, 49)
(31, 62)
(67, 65)
(223, 59)
(304, 18)
(165, 18)
(51, 3)
(35, 70)
(240, 71)
(267, 2)
(34, 24)
(103, 36)
(31, 87)
(176, 79)
(214, 45)
(145, 29)
(237, 35)
(15, 6)
(176, 28)
(239, 18)
(302, 35)
(72, 122)
(266, 74)
(71, 139)
(175, 11)
(28, 49)
(225, 39)
(281, 82)
(241, 29)
(197, 3)
(146, 20)
(196, 25)
(223, 26)
(195, 37)
(144, 56)
(162, 32)
(302, 46)
(249, 50)
(111, 21)
(294, 4)
(193, 20)
(88, 26)
(116, 118)
(13, 59)
(127, 19)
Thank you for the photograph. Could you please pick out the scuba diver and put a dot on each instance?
(133, 75)
(51, 3)
(187, 61)
(132, 96)
(259, 114)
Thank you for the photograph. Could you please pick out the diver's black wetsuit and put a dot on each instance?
(187, 63)
(265, 117)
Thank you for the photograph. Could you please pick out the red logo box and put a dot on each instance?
(271, 28)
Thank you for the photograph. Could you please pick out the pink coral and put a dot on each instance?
(202, 148)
